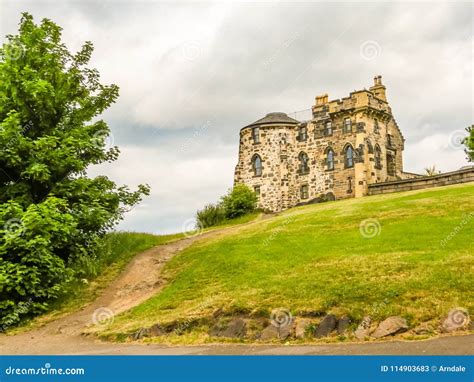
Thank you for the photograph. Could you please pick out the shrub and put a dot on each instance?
(34, 247)
(239, 201)
(210, 215)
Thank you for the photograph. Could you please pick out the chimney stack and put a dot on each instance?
(322, 99)
(378, 89)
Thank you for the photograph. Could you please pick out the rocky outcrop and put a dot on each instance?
(236, 328)
(301, 327)
(327, 325)
(390, 326)
(343, 325)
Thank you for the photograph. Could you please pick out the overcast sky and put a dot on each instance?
(192, 74)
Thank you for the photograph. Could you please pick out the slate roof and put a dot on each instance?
(275, 118)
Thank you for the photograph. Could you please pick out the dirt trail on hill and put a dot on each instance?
(141, 279)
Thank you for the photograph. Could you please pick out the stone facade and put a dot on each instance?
(348, 144)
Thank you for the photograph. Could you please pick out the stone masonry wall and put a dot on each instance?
(455, 177)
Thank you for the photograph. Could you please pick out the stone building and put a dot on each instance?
(347, 144)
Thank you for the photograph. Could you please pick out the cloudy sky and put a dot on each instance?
(191, 74)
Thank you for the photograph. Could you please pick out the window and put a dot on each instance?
(330, 160)
(328, 128)
(304, 191)
(347, 125)
(389, 140)
(256, 134)
(257, 165)
(304, 163)
(378, 157)
(349, 185)
(302, 133)
(390, 165)
(370, 148)
(376, 126)
(349, 157)
(256, 189)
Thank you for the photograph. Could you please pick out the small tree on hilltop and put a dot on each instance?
(431, 171)
(469, 142)
(51, 213)
(239, 201)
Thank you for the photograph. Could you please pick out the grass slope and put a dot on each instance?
(119, 248)
(315, 259)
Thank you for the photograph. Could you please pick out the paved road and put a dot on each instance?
(449, 345)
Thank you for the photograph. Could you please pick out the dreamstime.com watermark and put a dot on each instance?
(370, 228)
(276, 231)
(44, 370)
(103, 138)
(103, 317)
(457, 138)
(467, 218)
(198, 131)
(191, 229)
(183, 326)
(22, 307)
(13, 51)
(13, 228)
(191, 50)
(281, 317)
(370, 50)
(457, 318)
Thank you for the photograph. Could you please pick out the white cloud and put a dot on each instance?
(178, 187)
(180, 65)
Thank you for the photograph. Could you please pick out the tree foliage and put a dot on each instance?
(51, 213)
(469, 142)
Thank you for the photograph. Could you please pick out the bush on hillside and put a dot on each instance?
(240, 200)
(210, 215)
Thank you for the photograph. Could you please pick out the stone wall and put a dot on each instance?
(464, 175)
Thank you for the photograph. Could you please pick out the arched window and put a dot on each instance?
(257, 165)
(330, 159)
(304, 163)
(349, 156)
(378, 157)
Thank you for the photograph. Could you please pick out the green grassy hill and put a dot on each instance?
(408, 254)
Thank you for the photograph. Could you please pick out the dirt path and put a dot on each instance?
(141, 279)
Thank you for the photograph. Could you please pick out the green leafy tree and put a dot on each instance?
(239, 201)
(469, 142)
(51, 213)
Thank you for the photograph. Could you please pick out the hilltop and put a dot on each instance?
(408, 254)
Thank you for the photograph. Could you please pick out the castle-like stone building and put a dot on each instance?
(348, 144)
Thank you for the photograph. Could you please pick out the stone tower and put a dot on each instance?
(346, 145)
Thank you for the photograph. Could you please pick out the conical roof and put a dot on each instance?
(275, 118)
